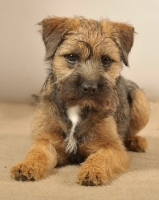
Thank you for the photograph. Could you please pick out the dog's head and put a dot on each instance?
(86, 58)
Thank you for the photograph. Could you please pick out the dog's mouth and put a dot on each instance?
(95, 93)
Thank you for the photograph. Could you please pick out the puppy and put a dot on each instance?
(86, 111)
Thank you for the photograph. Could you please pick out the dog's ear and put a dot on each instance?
(126, 37)
(53, 31)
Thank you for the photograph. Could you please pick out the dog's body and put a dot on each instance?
(86, 111)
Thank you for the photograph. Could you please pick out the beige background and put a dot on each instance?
(22, 68)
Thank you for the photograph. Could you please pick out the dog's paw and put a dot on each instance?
(25, 171)
(136, 143)
(91, 175)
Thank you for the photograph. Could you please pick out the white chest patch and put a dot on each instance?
(74, 116)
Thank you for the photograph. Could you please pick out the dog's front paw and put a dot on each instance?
(91, 175)
(26, 171)
(101, 167)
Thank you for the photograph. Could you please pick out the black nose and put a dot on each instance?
(89, 88)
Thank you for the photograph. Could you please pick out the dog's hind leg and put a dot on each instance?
(139, 116)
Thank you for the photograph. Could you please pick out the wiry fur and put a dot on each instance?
(86, 112)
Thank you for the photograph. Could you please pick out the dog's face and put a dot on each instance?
(86, 58)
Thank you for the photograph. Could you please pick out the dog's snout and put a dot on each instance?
(89, 88)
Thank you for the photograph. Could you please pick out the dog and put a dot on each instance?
(86, 112)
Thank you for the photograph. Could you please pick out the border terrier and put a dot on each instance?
(86, 112)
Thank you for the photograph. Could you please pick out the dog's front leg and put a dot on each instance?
(102, 166)
(38, 162)
(108, 157)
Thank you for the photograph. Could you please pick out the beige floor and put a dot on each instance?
(140, 182)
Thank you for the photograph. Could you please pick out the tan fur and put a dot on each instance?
(139, 117)
(111, 110)
(100, 167)
(106, 160)
(139, 112)
(38, 162)
(136, 143)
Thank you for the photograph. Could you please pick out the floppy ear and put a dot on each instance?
(126, 37)
(53, 31)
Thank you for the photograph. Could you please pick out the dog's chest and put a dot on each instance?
(74, 117)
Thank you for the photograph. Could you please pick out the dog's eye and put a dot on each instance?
(71, 58)
(106, 61)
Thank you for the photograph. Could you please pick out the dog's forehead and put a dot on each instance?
(90, 37)
(93, 30)
(95, 33)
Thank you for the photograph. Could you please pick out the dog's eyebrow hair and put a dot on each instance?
(89, 47)
(114, 40)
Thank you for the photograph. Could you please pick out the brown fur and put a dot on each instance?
(86, 111)
(139, 113)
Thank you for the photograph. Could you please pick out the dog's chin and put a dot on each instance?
(95, 104)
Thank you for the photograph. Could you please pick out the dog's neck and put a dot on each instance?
(74, 117)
